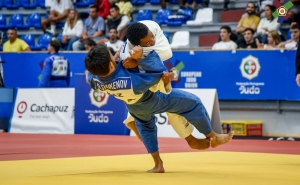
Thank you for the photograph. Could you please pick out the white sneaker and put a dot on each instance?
(280, 139)
(51, 32)
(290, 139)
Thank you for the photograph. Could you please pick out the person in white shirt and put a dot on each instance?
(267, 24)
(225, 43)
(72, 30)
(292, 43)
(59, 11)
(113, 41)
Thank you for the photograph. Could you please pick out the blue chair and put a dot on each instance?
(84, 3)
(144, 15)
(43, 42)
(154, 2)
(162, 16)
(27, 5)
(173, 1)
(34, 20)
(138, 2)
(176, 20)
(1, 4)
(29, 39)
(167, 35)
(41, 3)
(9, 4)
(187, 12)
(60, 25)
(16, 20)
(3, 24)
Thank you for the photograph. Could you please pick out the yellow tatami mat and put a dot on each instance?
(199, 168)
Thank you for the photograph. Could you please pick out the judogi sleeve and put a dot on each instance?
(46, 73)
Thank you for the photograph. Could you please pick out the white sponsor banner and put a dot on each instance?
(49, 110)
(210, 101)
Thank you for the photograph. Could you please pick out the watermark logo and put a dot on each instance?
(282, 10)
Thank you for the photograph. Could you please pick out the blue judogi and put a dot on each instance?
(133, 89)
(56, 72)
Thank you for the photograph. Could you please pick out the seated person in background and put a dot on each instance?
(248, 41)
(163, 4)
(113, 41)
(294, 12)
(56, 70)
(251, 20)
(125, 7)
(72, 30)
(273, 41)
(88, 44)
(225, 43)
(118, 21)
(3, 37)
(292, 43)
(14, 44)
(59, 11)
(94, 28)
(103, 7)
(267, 24)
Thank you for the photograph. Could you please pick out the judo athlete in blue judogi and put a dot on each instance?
(137, 90)
(56, 70)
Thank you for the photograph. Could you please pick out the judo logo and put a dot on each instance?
(98, 99)
(250, 67)
(282, 11)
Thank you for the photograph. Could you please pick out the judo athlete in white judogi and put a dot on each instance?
(139, 93)
(156, 40)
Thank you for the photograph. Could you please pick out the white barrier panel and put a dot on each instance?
(44, 111)
(210, 101)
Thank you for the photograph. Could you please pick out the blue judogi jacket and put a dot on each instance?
(130, 85)
(56, 72)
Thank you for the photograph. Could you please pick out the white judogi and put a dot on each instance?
(163, 49)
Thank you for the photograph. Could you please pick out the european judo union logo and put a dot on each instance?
(281, 12)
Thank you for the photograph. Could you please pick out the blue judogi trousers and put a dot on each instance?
(178, 102)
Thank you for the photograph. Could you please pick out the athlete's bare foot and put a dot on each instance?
(198, 144)
(219, 139)
(159, 167)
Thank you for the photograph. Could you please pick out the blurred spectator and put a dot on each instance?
(163, 4)
(248, 41)
(251, 20)
(56, 70)
(59, 11)
(205, 4)
(72, 30)
(3, 37)
(14, 44)
(267, 24)
(125, 7)
(103, 8)
(294, 12)
(226, 43)
(292, 43)
(272, 41)
(114, 42)
(88, 44)
(118, 21)
(94, 28)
